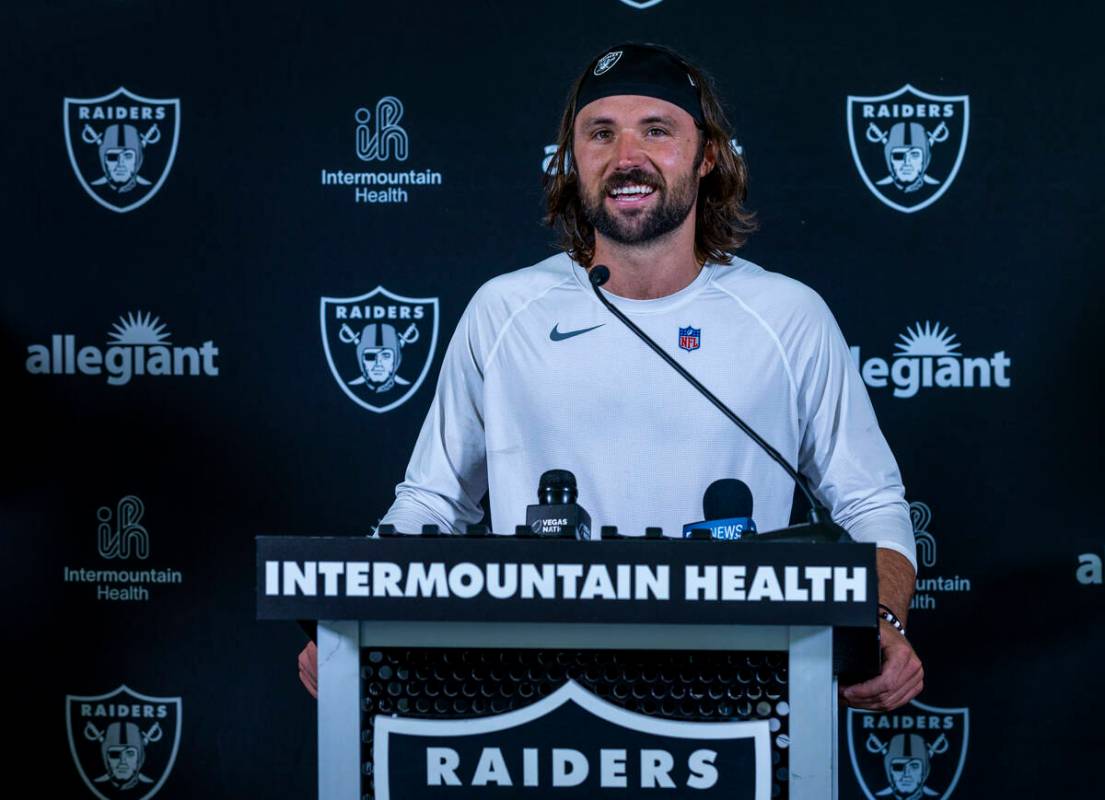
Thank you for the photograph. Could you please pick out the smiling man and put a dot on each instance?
(539, 375)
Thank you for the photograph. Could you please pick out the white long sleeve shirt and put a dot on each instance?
(539, 375)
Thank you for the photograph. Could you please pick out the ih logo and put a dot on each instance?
(613, 752)
(385, 139)
(121, 146)
(916, 752)
(908, 144)
(123, 743)
(375, 343)
(122, 536)
(921, 516)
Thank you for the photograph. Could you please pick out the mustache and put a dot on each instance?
(631, 177)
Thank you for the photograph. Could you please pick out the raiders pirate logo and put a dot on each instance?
(908, 145)
(124, 743)
(121, 146)
(379, 345)
(607, 62)
(914, 753)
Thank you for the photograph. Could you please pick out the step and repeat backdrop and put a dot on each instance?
(212, 208)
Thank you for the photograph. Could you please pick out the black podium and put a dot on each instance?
(483, 666)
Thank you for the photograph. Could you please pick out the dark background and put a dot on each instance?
(242, 241)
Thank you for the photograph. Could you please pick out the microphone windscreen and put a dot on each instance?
(599, 274)
(727, 498)
(557, 486)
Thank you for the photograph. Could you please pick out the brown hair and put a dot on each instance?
(723, 223)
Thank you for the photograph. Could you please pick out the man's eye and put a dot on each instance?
(601, 135)
(657, 132)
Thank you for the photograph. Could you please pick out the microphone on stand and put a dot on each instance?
(727, 508)
(821, 526)
(557, 515)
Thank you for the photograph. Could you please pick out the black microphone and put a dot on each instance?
(557, 515)
(819, 515)
(727, 511)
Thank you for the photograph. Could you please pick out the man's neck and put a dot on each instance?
(647, 271)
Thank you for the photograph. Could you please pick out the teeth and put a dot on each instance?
(634, 189)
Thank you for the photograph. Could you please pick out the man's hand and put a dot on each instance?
(901, 679)
(308, 668)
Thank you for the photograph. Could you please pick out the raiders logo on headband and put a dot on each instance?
(607, 62)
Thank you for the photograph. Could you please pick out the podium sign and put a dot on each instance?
(506, 579)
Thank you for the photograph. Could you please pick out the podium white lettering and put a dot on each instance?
(568, 767)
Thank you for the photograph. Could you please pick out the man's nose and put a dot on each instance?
(629, 150)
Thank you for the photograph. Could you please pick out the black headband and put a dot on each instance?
(643, 70)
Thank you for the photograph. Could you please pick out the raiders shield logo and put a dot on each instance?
(611, 751)
(121, 146)
(914, 753)
(379, 345)
(123, 743)
(908, 145)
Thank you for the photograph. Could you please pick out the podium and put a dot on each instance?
(603, 663)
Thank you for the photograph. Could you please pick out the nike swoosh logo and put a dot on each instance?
(557, 336)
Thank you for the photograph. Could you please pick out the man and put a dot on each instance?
(540, 375)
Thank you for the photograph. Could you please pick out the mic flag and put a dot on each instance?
(727, 508)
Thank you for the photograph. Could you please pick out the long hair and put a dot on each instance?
(722, 225)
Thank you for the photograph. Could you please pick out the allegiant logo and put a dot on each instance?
(138, 345)
(927, 357)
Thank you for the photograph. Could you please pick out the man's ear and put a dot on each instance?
(709, 159)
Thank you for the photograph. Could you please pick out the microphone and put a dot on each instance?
(557, 515)
(819, 515)
(727, 508)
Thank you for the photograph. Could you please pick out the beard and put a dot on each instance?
(640, 226)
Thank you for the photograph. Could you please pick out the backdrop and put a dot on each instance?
(190, 182)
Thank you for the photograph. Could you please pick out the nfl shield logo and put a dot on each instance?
(379, 345)
(121, 145)
(123, 743)
(690, 338)
(916, 751)
(908, 145)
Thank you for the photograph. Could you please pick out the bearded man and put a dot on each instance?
(539, 374)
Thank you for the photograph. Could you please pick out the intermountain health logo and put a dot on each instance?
(928, 586)
(123, 541)
(927, 356)
(139, 344)
(915, 752)
(379, 136)
(908, 145)
(124, 743)
(121, 145)
(379, 345)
